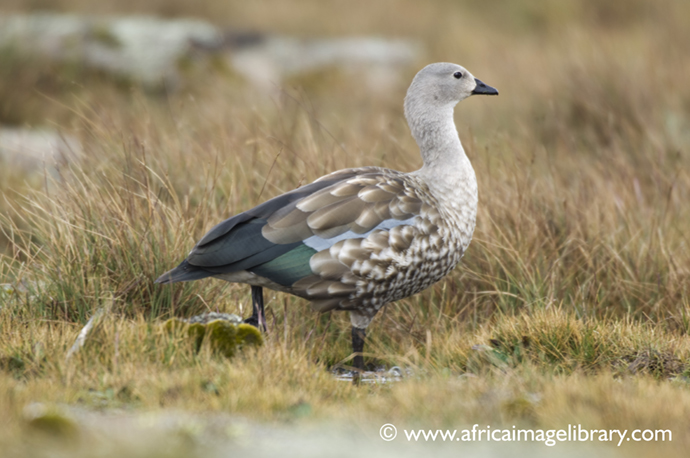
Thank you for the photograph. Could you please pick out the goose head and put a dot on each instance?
(444, 84)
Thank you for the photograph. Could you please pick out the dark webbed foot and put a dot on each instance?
(252, 320)
(258, 318)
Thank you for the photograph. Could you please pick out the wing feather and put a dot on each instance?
(368, 218)
(373, 193)
(336, 214)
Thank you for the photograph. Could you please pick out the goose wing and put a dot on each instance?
(307, 240)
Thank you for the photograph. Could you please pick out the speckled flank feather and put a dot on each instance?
(358, 239)
(377, 266)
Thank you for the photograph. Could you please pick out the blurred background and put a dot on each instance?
(568, 71)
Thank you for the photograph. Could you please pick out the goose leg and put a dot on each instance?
(258, 317)
(358, 335)
(360, 320)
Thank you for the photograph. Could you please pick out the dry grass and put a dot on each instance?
(575, 287)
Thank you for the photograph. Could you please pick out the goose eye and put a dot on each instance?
(457, 75)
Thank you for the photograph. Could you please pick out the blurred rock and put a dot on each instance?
(379, 376)
(144, 48)
(31, 150)
(149, 50)
(268, 61)
(207, 317)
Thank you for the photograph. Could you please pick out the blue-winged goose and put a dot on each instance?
(358, 239)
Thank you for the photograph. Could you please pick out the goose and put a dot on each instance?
(358, 239)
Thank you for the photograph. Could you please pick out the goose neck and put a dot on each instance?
(434, 130)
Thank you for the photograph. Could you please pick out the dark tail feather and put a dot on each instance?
(183, 272)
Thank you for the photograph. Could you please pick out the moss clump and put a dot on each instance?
(52, 422)
(223, 336)
(249, 335)
(174, 324)
(196, 332)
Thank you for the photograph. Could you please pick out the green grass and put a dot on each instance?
(572, 304)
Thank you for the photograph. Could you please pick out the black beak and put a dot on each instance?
(482, 88)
